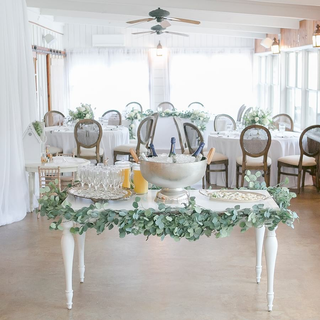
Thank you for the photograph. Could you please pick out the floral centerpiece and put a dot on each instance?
(258, 116)
(84, 111)
(131, 117)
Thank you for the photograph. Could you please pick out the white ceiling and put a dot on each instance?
(242, 18)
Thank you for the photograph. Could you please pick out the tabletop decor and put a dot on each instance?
(190, 221)
(198, 117)
(84, 111)
(258, 116)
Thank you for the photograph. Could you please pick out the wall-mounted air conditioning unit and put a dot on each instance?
(108, 40)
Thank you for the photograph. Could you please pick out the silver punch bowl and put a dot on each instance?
(173, 178)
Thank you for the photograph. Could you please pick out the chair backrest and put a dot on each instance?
(285, 119)
(133, 105)
(47, 175)
(166, 106)
(223, 122)
(88, 134)
(240, 112)
(193, 136)
(182, 136)
(309, 143)
(245, 114)
(255, 142)
(146, 131)
(53, 118)
(196, 105)
(113, 116)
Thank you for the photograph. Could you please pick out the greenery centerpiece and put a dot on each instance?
(258, 116)
(189, 222)
(131, 117)
(84, 111)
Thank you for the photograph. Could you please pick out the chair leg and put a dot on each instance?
(237, 177)
(303, 177)
(279, 173)
(227, 177)
(299, 180)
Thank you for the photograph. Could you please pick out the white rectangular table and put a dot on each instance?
(270, 243)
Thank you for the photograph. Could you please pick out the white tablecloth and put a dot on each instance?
(229, 144)
(64, 138)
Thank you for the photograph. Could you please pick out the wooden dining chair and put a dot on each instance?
(308, 159)
(165, 106)
(245, 115)
(285, 119)
(182, 137)
(88, 134)
(146, 132)
(240, 112)
(194, 138)
(65, 178)
(223, 121)
(255, 141)
(133, 106)
(113, 116)
(196, 105)
(53, 118)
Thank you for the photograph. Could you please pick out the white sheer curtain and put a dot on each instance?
(18, 107)
(58, 94)
(221, 79)
(108, 78)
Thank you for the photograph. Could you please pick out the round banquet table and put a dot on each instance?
(112, 137)
(228, 143)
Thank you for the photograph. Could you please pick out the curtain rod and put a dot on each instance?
(44, 50)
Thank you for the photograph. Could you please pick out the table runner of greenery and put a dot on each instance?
(190, 221)
(199, 118)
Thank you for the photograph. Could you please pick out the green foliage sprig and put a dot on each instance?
(190, 221)
(37, 127)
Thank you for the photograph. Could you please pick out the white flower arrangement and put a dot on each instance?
(258, 116)
(84, 111)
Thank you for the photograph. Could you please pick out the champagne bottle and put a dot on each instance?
(198, 151)
(172, 149)
(153, 151)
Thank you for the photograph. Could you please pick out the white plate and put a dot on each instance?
(256, 196)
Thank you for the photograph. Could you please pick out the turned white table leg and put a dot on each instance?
(271, 249)
(31, 190)
(81, 241)
(259, 245)
(67, 246)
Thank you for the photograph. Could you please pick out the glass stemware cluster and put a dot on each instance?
(101, 181)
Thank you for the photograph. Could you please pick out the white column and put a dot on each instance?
(271, 249)
(67, 246)
(259, 245)
(81, 241)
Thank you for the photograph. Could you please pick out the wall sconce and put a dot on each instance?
(159, 50)
(266, 43)
(316, 37)
(275, 47)
(48, 38)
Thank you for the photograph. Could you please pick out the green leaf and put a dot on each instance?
(137, 199)
(168, 218)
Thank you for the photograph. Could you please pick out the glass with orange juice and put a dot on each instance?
(140, 183)
(126, 171)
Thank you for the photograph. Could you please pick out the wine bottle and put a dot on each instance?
(173, 147)
(198, 151)
(153, 151)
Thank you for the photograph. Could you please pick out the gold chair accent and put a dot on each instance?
(146, 132)
(113, 116)
(227, 119)
(53, 118)
(284, 118)
(88, 134)
(194, 138)
(308, 160)
(255, 142)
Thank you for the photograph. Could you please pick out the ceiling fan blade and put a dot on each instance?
(143, 32)
(184, 20)
(140, 20)
(165, 24)
(177, 33)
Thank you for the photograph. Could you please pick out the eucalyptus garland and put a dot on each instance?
(190, 221)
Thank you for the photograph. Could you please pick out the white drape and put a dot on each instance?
(221, 79)
(108, 78)
(17, 107)
(58, 94)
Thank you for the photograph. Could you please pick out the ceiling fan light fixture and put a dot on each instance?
(275, 47)
(316, 37)
(159, 51)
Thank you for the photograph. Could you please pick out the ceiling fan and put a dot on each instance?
(158, 29)
(162, 17)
